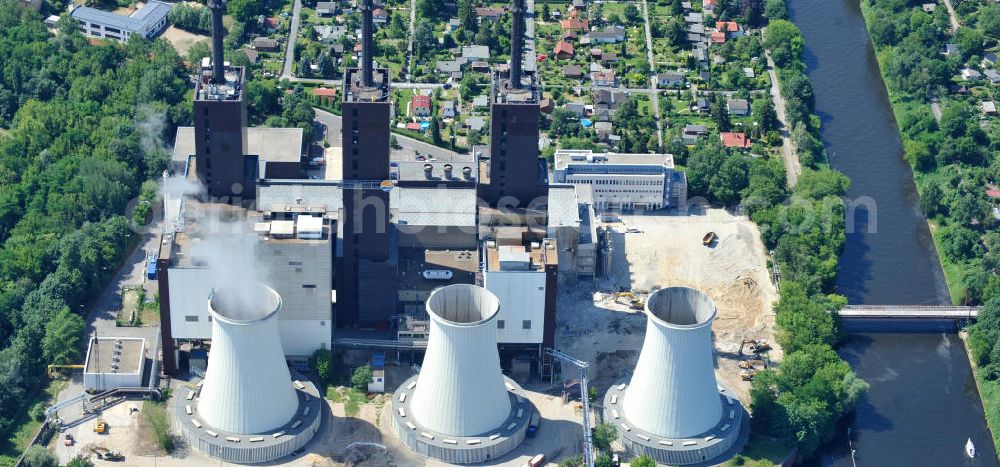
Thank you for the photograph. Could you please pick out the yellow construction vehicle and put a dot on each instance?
(71, 367)
(748, 374)
(630, 299)
(100, 426)
(752, 364)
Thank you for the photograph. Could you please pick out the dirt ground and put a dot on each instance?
(669, 252)
(182, 40)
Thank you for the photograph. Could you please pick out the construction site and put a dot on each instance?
(603, 323)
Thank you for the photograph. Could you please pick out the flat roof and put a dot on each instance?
(413, 261)
(271, 144)
(562, 208)
(566, 157)
(122, 355)
(151, 13)
(546, 254)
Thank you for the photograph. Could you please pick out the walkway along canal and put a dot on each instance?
(923, 403)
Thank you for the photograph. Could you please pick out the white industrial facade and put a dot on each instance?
(623, 181)
(147, 21)
(114, 362)
(520, 286)
(247, 387)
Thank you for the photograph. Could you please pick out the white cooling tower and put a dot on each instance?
(461, 409)
(247, 386)
(460, 390)
(673, 409)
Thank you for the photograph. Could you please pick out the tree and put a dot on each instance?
(775, 9)
(80, 461)
(576, 461)
(435, 131)
(720, 114)
(245, 11)
(604, 435)
(765, 114)
(423, 38)
(632, 14)
(38, 456)
(62, 337)
(305, 67)
(785, 42)
(322, 364)
(989, 20)
(960, 243)
(643, 461)
(262, 97)
(361, 377)
(604, 460)
(431, 8)
(467, 16)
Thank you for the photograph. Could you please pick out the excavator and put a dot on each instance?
(630, 299)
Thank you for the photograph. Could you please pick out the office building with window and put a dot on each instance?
(623, 181)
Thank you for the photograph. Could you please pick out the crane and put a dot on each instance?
(588, 442)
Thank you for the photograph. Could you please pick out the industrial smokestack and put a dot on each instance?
(247, 386)
(368, 46)
(218, 8)
(517, 44)
(673, 409)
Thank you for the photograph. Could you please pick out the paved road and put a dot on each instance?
(788, 151)
(409, 45)
(409, 145)
(952, 17)
(652, 71)
(293, 34)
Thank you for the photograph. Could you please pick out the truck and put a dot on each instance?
(536, 461)
(151, 267)
(533, 425)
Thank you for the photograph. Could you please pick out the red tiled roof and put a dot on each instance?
(727, 26)
(324, 92)
(993, 193)
(708, 2)
(718, 37)
(489, 12)
(413, 126)
(574, 24)
(735, 140)
(419, 101)
(380, 13)
(563, 47)
(272, 22)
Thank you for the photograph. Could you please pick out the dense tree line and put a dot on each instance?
(81, 126)
(801, 401)
(194, 19)
(954, 158)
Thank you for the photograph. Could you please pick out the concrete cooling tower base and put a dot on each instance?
(252, 448)
(461, 449)
(712, 447)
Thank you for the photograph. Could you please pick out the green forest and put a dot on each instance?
(954, 156)
(80, 130)
(799, 403)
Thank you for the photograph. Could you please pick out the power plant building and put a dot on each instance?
(523, 279)
(672, 409)
(114, 362)
(460, 409)
(623, 181)
(146, 22)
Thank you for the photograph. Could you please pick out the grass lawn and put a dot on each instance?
(761, 452)
(954, 274)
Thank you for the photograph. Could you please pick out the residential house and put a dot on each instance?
(563, 50)
(692, 37)
(448, 109)
(604, 78)
(609, 57)
(692, 133)
(579, 5)
(610, 35)
(574, 24)
(329, 34)
(448, 66)
(546, 105)
(475, 123)
(413, 126)
(481, 66)
(694, 17)
(670, 79)
(749, 73)
(970, 74)
(595, 53)
(568, 35)
(697, 28)
(326, 9)
(480, 102)
(270, 24)
(265, 44)
(380, 16)
(950, 49)
(717, 37)
(604, 130)
(702, 105)
(732, 139)
(325, 94)
(738, 107)
(489, 14)
(608, 99)
(337, 49)
(731, 28)
(989, 59)
(685, 6)
(572, 71)
(708, 6)
(251, 54)
(929, 7)
(700, 54)
(595, 66)
(475, 52)
(992, 75)
(453, 25)
(420, 106)
(989, 108)
(575, 108)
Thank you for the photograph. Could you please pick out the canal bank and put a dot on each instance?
(923, 403)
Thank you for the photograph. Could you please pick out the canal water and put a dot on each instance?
(923, 403)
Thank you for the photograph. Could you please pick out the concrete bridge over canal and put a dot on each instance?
(909, 312)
